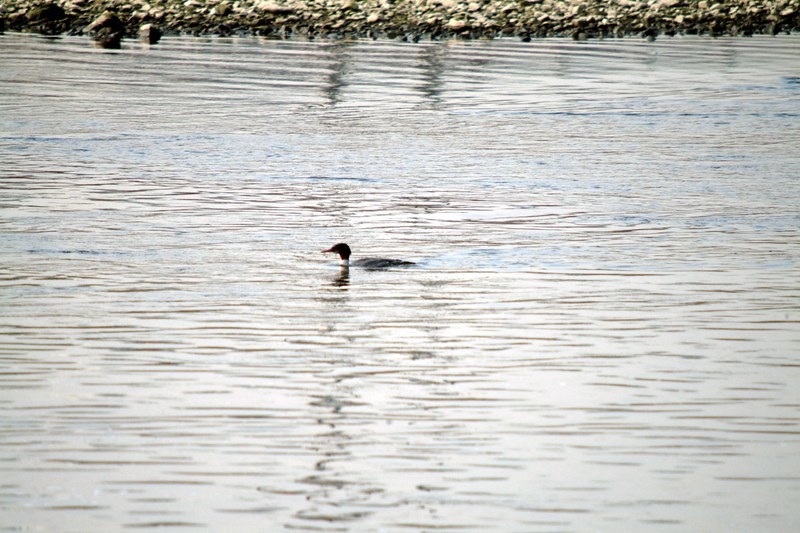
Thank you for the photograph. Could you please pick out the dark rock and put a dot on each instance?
(107, 20)
(223, 30)
(107, 30)
(149, 34)
(650, 34)
(106, 38)
(47, 19)
(46, 13)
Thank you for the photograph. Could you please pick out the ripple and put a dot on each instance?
(606, 286)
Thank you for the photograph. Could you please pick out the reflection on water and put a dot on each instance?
(601, 332)
(342, 279)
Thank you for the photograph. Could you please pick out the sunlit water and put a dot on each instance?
(601, 332)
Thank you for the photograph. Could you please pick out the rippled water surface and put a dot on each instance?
(601, 332)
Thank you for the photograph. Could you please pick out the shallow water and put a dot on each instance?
(601, 332)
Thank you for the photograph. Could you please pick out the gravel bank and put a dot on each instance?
(412, 19)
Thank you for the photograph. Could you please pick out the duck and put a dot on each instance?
(370, 263)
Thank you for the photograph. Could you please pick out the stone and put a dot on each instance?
(46, 13)
(456, 24)
(274, 8)
(429, 18)
(107, 20)
(149, 33)
(223, 9)
(107, 30)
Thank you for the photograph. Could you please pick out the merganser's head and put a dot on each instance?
(343, 250)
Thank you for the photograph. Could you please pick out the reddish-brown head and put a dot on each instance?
(342, 249)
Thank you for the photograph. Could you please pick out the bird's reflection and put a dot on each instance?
(343, 279)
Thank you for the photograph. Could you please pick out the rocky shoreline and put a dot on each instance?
(407, 19)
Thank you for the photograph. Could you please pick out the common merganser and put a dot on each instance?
(371, 263)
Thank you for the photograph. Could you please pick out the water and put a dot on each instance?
(601, 333)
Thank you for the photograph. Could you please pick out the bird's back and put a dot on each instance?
(376, 263)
